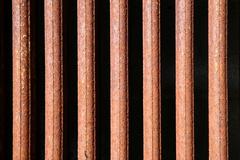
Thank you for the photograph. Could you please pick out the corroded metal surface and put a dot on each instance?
(184, 80)
(217, 63)
(86, 80)
(21, 79)
(151, 80)
(119, 79)
(53, 80)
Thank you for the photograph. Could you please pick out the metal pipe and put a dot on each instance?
(86, 80)
(217, 79)
(184, 80)
(119, 78)
(21, 79)
(151, 80)
(53, 80)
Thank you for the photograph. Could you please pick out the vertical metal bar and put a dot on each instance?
(119, 79)
(86, 80)
(151, 80)
(53, 80)
(217, 63)
(184, 80)
(21, 79)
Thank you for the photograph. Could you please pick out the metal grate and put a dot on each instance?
(119, 79)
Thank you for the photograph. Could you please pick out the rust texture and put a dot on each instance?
(119, 79)
(184, 81)
(217, 63)
(53, 80)
(151, 79)
(21, 79)
(86, 80)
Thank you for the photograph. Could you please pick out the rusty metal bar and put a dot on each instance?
(86, 80)
(53, 80)
(217, 63)
(184, 80)
(119, 78)
(21, 79)
(151, 80)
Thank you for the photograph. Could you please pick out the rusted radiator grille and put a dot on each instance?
(119, 79)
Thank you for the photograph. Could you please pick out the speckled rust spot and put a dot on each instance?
(217, 63)
(21, 79)
(86, 80)
(53, 80)
(119, 79)
(184, 81)
(151, 80)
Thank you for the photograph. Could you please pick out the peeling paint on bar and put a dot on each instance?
(151, 80)
(217, 63)
(184, 81)
(86, 80)
(53, 80)
(119, 78)
(21, 79)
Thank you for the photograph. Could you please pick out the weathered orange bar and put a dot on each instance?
(86, 80)
(184, 81)
(151, 80)
(119, 79)
(21, 79)
(217, 74)
(53, 80)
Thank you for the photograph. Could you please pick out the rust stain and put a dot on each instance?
(119, 78)
(86, 80)
(217, 63)
(21, 79)
(53, 80)
(151, 80)
(184, 81)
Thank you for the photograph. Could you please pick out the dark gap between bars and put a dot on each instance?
(167, 34)
(201, 79)
(37, 80)
(233, 79)
(135, 62)
(5, 79)
(70, 111)
(102, 42)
